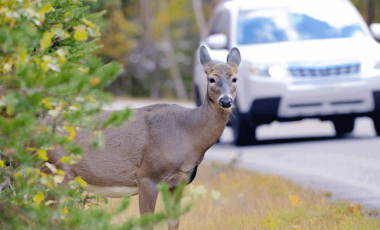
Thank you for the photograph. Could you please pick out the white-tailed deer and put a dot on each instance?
(163, 143)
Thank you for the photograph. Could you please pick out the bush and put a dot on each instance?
(50, 83)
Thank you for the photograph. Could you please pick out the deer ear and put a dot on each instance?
(205, 59)
(234, 59)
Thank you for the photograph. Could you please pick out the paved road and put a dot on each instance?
(307, 152)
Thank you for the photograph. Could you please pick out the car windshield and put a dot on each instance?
(298, 23)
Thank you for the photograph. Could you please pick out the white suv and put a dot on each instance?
(300, 59)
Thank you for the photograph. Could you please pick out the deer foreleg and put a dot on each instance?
(147, 196)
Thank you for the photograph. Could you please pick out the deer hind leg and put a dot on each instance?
(174, 224)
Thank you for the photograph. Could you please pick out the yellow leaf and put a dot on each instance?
(81, 181)
(38, 198)
(83, 70)
(94, 81)
(91, 98)
(1, 163)
(65, 159)
(71, 131)
(80, 35)
(65, 210)
(42, 154)
(68, 14)
(293, 199)
(45, 42)
(46, 8)
(46, 101)
(43, 175)
(87, 22)
(222, 176)
(18, 174)
(36, 60)
(30, 149)
(60, 172)
(50, 185)
(355, 208)
(23, 56)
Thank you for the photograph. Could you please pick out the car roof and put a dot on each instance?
(258, 4)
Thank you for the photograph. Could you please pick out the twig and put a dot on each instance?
(85, 200)
(7, 183)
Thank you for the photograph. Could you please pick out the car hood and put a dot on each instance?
(326, 50)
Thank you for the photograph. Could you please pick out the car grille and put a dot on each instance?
(339, 70)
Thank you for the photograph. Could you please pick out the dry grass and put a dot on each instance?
(249, 200)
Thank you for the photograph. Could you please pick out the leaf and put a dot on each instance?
(60, 172)
(94, 81)
(80, 35)
(81, 181)
(1, 163)
(38, 198)
(71, 131)
(87, 22)
(222, 176)
(46, 8)
(58, 179)
(51, 167)
(65, 210)
(42, 154)
(294, 200)
(46, 101)
(83, 70)
(45, 42)
(65, 159)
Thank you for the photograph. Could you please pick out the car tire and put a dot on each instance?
(344, 125)
(376, 123)
(244, 130)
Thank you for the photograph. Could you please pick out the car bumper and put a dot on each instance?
(274, 100)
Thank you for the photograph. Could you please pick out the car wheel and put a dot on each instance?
(376, 123)
(344, 125)
(196, 95)
(244, 130)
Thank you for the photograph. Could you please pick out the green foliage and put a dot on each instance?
(51, 87)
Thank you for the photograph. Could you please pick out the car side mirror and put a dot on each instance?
(217, 41)
(375, 30)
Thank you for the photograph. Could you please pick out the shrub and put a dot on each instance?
(50, 83)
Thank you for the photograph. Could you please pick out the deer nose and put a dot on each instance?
(225, 101)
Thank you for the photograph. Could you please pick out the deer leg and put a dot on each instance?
(148, 193)
(174, 224)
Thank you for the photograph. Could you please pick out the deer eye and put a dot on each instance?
(212, 80)
(234, 80)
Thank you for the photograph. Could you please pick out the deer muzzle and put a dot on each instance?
(226, 101)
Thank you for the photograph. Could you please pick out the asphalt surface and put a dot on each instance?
(307, 152)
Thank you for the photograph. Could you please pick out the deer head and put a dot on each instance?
(222, 79)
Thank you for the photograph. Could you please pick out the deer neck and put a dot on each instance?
(211, 121)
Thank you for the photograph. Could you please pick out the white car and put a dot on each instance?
(300, 59)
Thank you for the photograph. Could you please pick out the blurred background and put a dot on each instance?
(155, 42)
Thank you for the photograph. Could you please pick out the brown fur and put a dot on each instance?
(163, 142)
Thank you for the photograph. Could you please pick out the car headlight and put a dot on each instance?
(367, 66)
(277, 71)
(274, 71)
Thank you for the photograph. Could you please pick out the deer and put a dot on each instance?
(163, 143)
